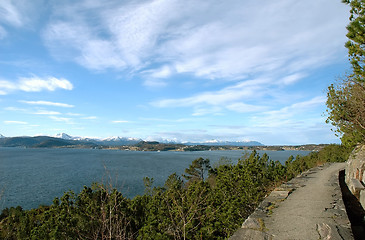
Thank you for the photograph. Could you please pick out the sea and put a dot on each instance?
(30, 177)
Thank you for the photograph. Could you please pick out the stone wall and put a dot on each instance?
(355, 173)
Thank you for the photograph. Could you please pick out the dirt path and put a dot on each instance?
(307, 212)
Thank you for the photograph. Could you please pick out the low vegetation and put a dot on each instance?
(205, 203)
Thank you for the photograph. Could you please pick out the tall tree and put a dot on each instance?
(346, 100)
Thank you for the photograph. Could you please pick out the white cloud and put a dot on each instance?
(47, 103)
(208, 40)
(292, 78)
(34, 84)
(62, 119)
(15, 109)
(15, 122)
(297, 114)
(120, 121)
(6, 86)
(228, 95)
(74, 114)
(90, 118)
(163, 72)
(45, 112)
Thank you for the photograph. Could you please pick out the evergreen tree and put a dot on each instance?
(346, 100)
(198, 169)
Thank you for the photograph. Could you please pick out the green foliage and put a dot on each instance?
(356, 36)
(346, 100)
(346, 110)
(198, 169)
(211, 208)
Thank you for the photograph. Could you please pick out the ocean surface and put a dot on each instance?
(33, 177)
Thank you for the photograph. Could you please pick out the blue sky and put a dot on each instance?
(166, 69)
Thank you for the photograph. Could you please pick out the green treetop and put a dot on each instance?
(356, 36)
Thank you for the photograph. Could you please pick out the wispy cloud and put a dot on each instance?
(45, 112)
(10, 13)
(15, 122)
(15, 109)
(74, 114)
(208, 40)
(90, 118)
(62, 119)
(34, 84)
(120, 121)
(17, 14)
(246, 108)
(297, 114)
(47, 103)
(232, 93)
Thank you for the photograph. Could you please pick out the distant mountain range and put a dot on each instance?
(111, 141)
(65, 140)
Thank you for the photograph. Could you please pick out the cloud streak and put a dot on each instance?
(47, 103)
(15, 122)
(34, 84)
(120, 121)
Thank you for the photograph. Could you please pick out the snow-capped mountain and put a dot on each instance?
(2, 136)
(64, 136)
(114, 141)
(215, 142)
(118, 141)
(110, 141)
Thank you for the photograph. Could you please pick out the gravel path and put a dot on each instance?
(307, 211)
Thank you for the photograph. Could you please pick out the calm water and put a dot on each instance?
(31, 177)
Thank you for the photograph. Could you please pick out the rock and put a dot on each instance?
(280, 194)
(356, 187)
(252, 223)
(247, 234)
(331, 232)
(324, 231)
(355, 168)
(355, 174)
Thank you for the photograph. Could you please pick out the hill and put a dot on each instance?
(41, 142)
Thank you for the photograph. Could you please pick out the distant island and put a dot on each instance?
(133, 144)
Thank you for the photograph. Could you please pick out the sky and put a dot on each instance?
(188, 70)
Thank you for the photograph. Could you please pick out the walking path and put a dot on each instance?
(307, 207)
